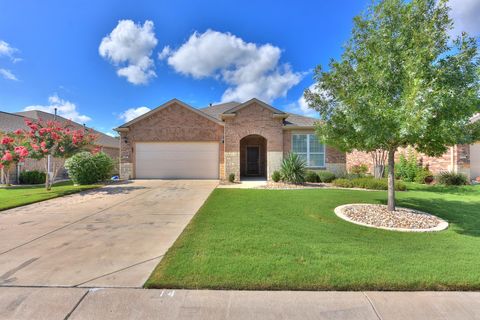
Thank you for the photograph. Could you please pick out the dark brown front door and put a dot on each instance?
(253, 161)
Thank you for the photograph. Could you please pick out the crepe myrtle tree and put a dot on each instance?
(58, 140)
(401, 81)
(13, 150)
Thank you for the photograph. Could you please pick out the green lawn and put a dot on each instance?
(20, 196)
(291, 239)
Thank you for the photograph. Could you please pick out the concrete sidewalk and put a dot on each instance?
(80, 303)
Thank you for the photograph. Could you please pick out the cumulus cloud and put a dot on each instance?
(7, 74)
(133, 113)
(301, 105)
(65, 109)
(6, 49)
(129, 47)
(250, 70)
(466, 16)
(166, 51)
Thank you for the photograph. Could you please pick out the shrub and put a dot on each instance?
(231, 177)
(360, 169)
(276, 176)
(452, 178)
(293, 169)
(407, 168)
(87, 168)
(424, 176)
(312, 176)
(32, 177)
(326, 176)
(368, 183)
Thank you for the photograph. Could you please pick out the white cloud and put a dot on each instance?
(301, 106)
(166, 51)
(129, 47)
(65, 109)
(250, 70)
(7, 74)
(466, 16)
(6, 49)
(133, 113)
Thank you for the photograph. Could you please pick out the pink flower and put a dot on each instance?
(18, 131)
(21, 151)
(35, 147)
(7, 140)
(7, 156)
(43, 145)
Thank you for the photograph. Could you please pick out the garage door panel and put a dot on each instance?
(184, 160)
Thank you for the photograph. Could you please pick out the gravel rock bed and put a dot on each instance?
(402, 219)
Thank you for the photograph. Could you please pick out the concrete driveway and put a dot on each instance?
(109, 237)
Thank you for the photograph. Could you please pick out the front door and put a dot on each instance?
(253, 160)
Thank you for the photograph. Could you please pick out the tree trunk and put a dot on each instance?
(391, 180)
(47, 176)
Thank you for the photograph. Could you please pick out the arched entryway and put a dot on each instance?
(253, 156)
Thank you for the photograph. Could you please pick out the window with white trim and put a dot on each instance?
(308, 147)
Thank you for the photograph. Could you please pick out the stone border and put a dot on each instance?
(440, 227)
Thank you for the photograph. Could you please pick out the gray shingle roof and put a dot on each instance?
(13, 121)
(10, 122)
(292, 119)
(216, 110)
(298, 120)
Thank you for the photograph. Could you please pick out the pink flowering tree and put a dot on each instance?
(55, 140)
(13, 150)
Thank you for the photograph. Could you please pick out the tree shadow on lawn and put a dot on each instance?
(463, 217)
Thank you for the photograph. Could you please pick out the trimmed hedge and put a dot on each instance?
(326, 176)
(32, 177)
(312, 176)
(368, 183)
(86, 168)
(276, 176)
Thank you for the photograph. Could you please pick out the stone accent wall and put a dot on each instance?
(253, 119)
(171, 123)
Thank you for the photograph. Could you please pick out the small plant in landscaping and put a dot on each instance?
(452, 179)
(276, 176)
(293, 169)
(424, 176)
(86, 168)
(32, 177)
(359, 169)
(407, 167)
(231, 177)
(368, 183)
(312, 176)
(326, 176)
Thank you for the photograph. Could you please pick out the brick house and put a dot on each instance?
(12, 121)
(247, 139)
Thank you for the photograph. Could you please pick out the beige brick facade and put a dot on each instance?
(259, 125)
(172, 123)
(253, 119)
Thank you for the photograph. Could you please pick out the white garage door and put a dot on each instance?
(176, 160)
(475, 160)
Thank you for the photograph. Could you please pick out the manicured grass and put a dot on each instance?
(20, 196)
(291, 239)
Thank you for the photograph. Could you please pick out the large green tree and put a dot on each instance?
(401, 81)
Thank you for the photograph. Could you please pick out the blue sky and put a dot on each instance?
(102, 62)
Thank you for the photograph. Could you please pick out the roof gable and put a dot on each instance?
(254, 100)
(165, 105)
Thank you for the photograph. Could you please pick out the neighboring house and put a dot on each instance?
(247, 139)
(12, 121)
(461, 158)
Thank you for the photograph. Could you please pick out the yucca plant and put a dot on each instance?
(293, 169)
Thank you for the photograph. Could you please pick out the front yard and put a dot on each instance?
(20, 196)
(291, 240)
